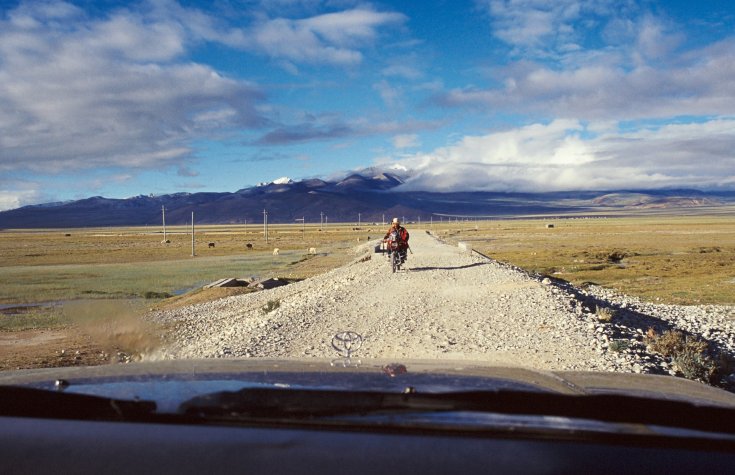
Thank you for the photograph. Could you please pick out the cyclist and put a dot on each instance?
(398, 234)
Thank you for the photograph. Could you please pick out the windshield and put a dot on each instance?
(515, 184)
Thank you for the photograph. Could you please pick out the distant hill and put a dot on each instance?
(684, 199)
(372, 194)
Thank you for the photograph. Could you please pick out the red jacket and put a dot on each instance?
(401, 235)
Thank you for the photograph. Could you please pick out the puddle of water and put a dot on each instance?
(30, 305)
(59, 303)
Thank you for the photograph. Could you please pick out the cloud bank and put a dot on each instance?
(569, 155)
(616, 97)
(80, 92)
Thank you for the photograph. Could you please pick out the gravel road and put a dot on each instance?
(448, 304)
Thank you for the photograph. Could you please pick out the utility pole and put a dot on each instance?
(303, 227)
(265, 225)
(163, 213)
(321, 220)
(192, 235)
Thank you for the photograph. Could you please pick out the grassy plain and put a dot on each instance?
(51, 267)
(663, 258)
(673, 259)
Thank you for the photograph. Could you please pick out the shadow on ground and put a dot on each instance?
(628, 321)
(414, 269)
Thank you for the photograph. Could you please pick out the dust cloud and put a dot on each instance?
(117, 326)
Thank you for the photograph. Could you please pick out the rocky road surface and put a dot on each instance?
(447, 304)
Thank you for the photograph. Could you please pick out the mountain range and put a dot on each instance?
(368, 196)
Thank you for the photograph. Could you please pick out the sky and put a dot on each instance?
(118, 99)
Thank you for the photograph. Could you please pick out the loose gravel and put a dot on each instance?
(446, 304)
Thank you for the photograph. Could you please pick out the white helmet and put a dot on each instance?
(396, 221)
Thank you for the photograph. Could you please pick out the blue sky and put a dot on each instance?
(160, 96)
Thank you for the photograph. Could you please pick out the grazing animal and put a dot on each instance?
(275, 251)
(249, 246)
(211, 244)
(312, 250)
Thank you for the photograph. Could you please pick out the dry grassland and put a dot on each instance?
(125, 245)
(668, 259)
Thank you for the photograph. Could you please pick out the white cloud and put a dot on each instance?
(406, 141)
(391, 95)
(557, 156)
(655, 39)
(80, 92)
(351, 26)
(541, 27)
(16, 198)
(328, 38)
(696, 83)
(627, 64)
(403, 71)
(186, 171)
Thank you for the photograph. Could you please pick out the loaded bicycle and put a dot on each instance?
(395, 242)
(396, 255)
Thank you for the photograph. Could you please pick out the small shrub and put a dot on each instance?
(726, 363)
(271, 305)
(668, 344)
(619, 345)
(616, 257)
(688, 353)
(156, 295)
(605, 314)
(695, 365)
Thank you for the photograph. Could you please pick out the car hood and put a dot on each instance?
(169, 383)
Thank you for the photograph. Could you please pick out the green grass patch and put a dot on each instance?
(19, 319)
(156, 295)
(24, 284)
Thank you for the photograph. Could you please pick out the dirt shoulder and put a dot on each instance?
(49, 348)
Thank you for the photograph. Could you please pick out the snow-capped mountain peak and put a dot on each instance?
(284, 180)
